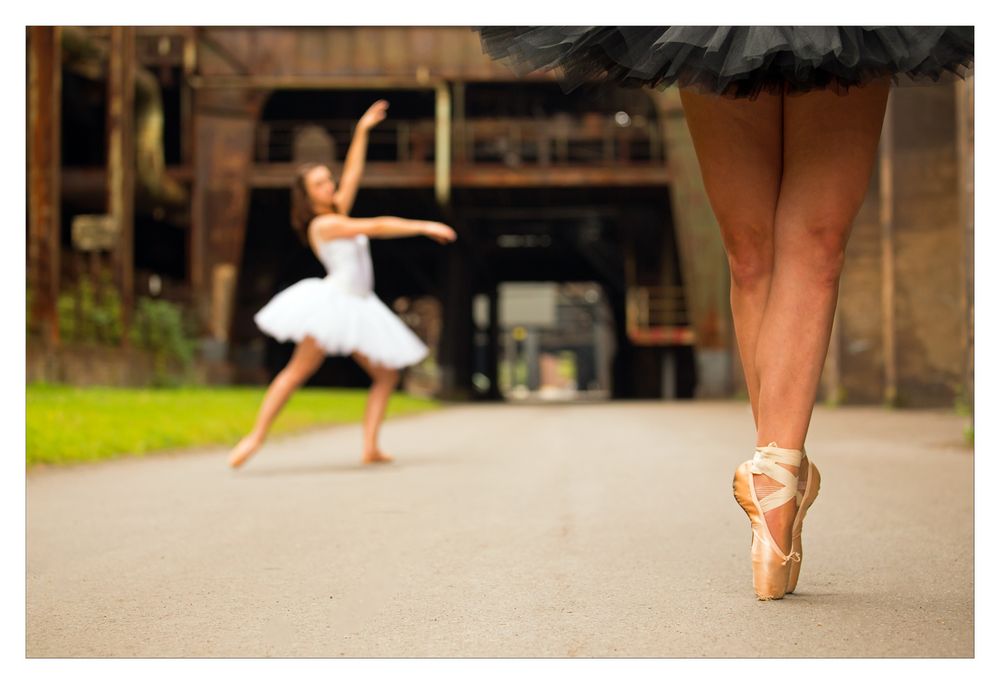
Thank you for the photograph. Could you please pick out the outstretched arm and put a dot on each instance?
(335, 226)
(354, 165)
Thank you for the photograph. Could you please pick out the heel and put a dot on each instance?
(808, 497)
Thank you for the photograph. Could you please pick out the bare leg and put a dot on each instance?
(739, 148)
(738, 143)
(307, 358)
(383, 383)
(830, 142)
(828, 150)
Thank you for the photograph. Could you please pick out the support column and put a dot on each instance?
(190, 66)
(44, 107)
(886, 222)
(121, 163)
(965, 101)
(456, 337)
(223, 154)
(532, 351)
(442, 144)
(493, 353)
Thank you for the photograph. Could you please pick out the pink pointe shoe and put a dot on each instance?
(771, 566)
(804, 499)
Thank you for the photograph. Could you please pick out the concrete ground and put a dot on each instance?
(548, 530)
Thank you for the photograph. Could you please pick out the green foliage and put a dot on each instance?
(72, 424)
(567, 365)
(107, 314)
(91, 313)
(963, 406)
(69, 327)
(837, 398)
(158, 327)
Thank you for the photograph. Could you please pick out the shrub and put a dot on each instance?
(90, 313)
(158, 327)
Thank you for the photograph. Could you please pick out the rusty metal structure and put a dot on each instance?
(465, 142)
(184, 140)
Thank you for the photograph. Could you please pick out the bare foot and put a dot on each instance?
(376, 457)
(242, 451)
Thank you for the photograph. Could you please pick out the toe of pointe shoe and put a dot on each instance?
(239, 455)
(770, 581)
(770, 568)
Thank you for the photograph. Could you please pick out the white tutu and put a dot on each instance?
(341, 312)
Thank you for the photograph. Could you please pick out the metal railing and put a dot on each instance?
(582, 140)
(657, 315)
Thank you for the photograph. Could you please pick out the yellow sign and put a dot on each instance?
(94, 232)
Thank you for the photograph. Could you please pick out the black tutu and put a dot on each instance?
(734, 61)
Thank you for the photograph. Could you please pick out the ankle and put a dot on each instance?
(775, 480)
(789, 459)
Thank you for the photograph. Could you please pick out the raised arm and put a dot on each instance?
(354, 165)
(335, 226)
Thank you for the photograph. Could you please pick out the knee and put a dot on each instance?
(821, 248)
(291, 377)
(750, 252)
(749, 270)
(296, 374)
(828, 265)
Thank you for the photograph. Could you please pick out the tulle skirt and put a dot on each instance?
(341, 323)
(734, 61)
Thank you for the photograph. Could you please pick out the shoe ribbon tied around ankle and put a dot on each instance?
(794, 556)
(766, 462)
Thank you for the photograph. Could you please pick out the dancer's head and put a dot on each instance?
(312, 195)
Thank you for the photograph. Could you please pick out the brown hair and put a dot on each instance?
(302, 209)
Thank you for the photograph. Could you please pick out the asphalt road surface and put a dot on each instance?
(586, 530)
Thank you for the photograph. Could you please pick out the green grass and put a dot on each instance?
(74, 424)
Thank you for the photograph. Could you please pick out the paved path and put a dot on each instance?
(571, 530)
